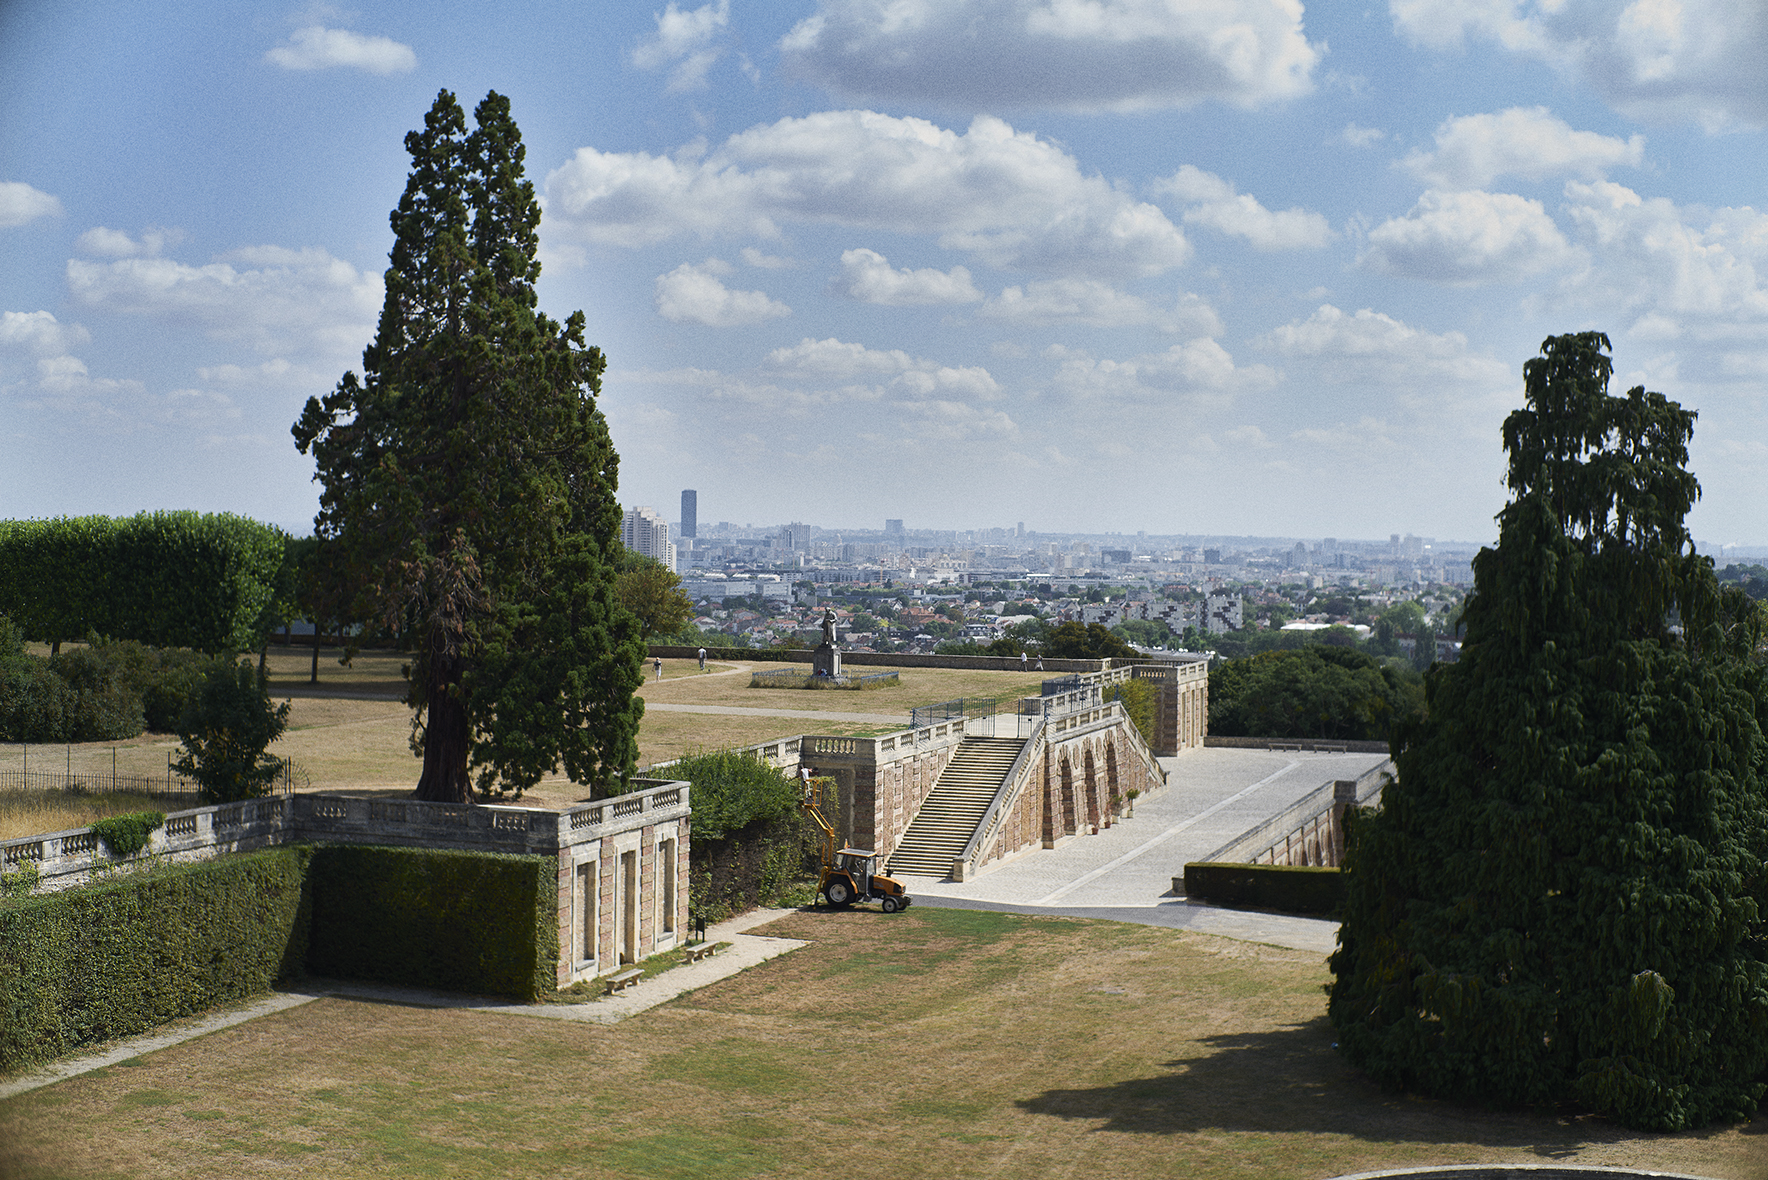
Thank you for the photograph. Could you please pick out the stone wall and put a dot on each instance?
(883, 659)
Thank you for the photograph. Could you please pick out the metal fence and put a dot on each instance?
(962, 707)
(171, 785)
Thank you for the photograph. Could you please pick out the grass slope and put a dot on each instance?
(931, 1043)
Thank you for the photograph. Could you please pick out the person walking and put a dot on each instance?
(658, 665)
(702, 659)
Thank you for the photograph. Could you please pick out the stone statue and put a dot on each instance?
(829, 626)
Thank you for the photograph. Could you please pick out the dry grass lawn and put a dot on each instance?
(938, 1043)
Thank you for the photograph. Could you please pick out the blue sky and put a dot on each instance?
(1228, 267)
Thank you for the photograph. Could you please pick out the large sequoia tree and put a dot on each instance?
(469, 483)
(1564, 894)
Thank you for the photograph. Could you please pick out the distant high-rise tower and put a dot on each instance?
(893, 526)
(690, 513)
(643, 530)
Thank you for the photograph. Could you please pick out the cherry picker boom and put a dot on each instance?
(848, 874)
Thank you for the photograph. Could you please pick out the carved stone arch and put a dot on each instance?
(1094, 818)
(1113, 788)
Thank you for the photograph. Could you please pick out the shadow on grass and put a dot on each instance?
(1291, 1080)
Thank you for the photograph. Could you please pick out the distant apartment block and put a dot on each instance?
(1221, 612)
(643, 530)
(690, 514)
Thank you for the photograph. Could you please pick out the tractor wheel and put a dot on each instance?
(839, 893)
(888, 905)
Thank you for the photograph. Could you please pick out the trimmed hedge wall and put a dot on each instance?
(122, 956)
(1285, 888)
(125, 955)
(462, 921)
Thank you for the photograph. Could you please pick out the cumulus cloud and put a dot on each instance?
(1004, 196)
(1650, 256)
(685, 38)
(867, 276)
(1090, 302)
(21, 204)
(1467, 238)
(318, 48)
(912, 376)
(1371, 347)
(1698, 60)
(114, 243)
(693, 294)
(39, 332)
(1527, 142)
(1076, 55)
(1213, 202)
(1199, 372)
(1360, 136)
(268, 298)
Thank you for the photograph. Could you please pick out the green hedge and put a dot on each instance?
(171, 579)
(1287, 889)
(125, 955)
(462, 921)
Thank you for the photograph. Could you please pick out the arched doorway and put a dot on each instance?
(1067, 797)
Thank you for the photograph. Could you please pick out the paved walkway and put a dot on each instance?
(807, 714)
(1126, 872)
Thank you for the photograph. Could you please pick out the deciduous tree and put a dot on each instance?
(1563, 895)
(469, 483)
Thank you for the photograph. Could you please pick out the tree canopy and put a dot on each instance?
(469, 483)
(1317, 691)
(652, 593)
(1073, 641)
(1562, 896)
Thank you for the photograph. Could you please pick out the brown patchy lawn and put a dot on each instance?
(933, 1043)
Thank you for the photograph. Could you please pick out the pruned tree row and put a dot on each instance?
(167, 579)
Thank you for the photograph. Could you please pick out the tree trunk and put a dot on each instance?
(313, 677)
(444, 778)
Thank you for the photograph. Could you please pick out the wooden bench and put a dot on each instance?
(693, 954)
(621, 980)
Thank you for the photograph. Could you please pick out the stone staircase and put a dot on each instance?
(948, 818)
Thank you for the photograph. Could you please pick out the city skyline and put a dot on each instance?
(1089, 266)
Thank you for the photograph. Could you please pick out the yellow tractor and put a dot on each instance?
(848, 874)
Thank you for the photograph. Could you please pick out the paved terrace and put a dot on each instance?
(1126, 872)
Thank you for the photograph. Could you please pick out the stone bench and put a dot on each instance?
(621, 980)
(693, 954)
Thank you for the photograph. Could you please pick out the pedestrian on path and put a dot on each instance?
(658, 664)
(702, 659)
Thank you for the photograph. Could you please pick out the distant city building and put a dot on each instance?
(892, 526)
(690, 514)
(643, 530)
(1222, 612)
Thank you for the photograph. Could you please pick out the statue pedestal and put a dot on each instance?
(826, 661)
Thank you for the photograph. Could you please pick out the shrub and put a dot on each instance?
(1317, 691)
(1139, 698)
(750, 836)
(225, 730)
(127, 834)
(1289, 889)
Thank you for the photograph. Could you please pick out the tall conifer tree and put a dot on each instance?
(470, 483)
(1563, 894)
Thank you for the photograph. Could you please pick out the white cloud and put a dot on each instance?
(1467, 238)
(1213, 202)
(39, 332)
(693, 294)
(916, 377)
(1199, 372)
(21, 204)
(114, 243)
(319, 48)
(1077, 55)
(867, 276)
(1373, 348)
(1698, 60)
(1087, 301)
(1007, 197)
(269, 298)
(1646, 255)
(685, 38)
(1360, 136)
(1528, 142)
